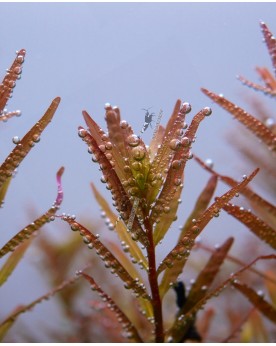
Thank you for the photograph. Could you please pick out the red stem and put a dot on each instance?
(152, 275)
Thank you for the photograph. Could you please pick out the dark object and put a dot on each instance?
(191, 333)
(148, 120)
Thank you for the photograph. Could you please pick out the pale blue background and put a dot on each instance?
(131, 55)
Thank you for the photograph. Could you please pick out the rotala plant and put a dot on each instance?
(146, 183)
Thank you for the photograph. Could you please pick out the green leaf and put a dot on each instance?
(12, 261)
(124, 205)
(121, 230)
(4, 189)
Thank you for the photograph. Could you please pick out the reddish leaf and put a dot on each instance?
(253, 124)
(257, 300)
(254, 224)
(131, 331)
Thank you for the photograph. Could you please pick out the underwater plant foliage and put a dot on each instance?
(146, 183)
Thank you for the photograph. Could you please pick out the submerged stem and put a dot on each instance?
(152, 275)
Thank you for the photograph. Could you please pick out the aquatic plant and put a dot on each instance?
(146, 184)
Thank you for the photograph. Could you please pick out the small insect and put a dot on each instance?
(148, 120)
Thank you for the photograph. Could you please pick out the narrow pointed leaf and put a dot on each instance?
(174, 176)
(124, 205)
(253, 124)
(12, 261)
(258, 301)
(165, 151)
(269, 80)
(109, 259)
(253, 223)
(177, 329)
(201, 204)
(26, 144)
(122, 318)
(202, 284)
(207, 275)
(246, 191)
(8, 83)
(270, 42)
(181, 251)
(121, 230)
(9, 321)
(167, 218)
(24, 234)
(3, 190)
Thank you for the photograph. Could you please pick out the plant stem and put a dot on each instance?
(152, 275)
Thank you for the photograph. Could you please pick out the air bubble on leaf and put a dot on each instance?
(207, 111)
(174, 144)
(103, 180)
(260, 293)
(209, 163)
(133, 140)
(75, 227)
(107, 106)
(20, 59)
(136, 166)
(36, 138)
(124, 124)
(102, 148)
(186, 107)
(108, 146)
(176, 164)
(177, 182)
(82, 133)
(185, 141)
(190, 155)
(16, 139)
(269, 122)
(138, 153)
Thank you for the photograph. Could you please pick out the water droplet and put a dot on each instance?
(186, 107)
(16, 139)
(124, 124)
(177, 182)
(107, 106)
(136, 166)
(20, 59)
(82, 133)
(133, 140)
(108, 146)
(209, 163)
(269, 122)
(36, 138)
(244, 177)
(185, 141)
(174, 144)
(207, 111)
(176, 164)
(138, 153)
